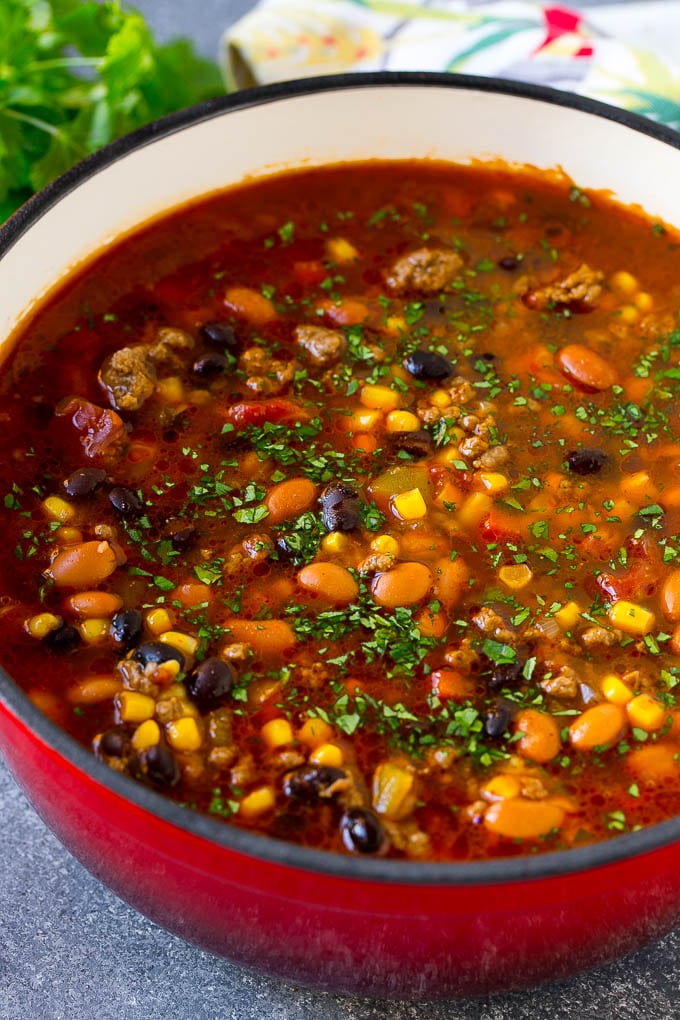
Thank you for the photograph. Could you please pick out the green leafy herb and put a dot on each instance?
(76, 75)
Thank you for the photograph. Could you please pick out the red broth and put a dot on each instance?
(344, 506)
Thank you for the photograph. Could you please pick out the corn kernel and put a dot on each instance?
(58, 509)
(199, 396)
(158, 621)
(385, 544)
(501, 788)
(629, 314)
(476, 506)
(341, 250)
(146, 735)
(93, 630)
(334, 543)
(624, 283)
(363, 421)
(166, 672)
(395, 324)
(135, 707)
(402, 421)
(450, 453)
(492, 482)
(615, 690)
(327, 754)
(379, 398)
(257, 802)
(170, 390)
(277, 733)
(68, 536)
(410, 505)
(184, 643)
(645, 713)
(644, 301)
(515, 576)
(183, 734)
(440, 399)
(43, 624)
(399, 372)
(314, 732)
(631, 618)
(568, 616)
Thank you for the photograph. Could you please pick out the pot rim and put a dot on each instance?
(230, 837)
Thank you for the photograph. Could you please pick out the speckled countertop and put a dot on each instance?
(70, 949)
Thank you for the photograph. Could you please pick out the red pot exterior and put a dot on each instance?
(388, 939)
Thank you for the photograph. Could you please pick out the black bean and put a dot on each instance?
(126, 626)
(63, 639)
(509, 262)
(84, 482)
(498, 721)
(508, 674)
(417, 444)
(218, 333)
(210, 365)
(585, 461)
(362, 832)
(160, 765)
(312, 782)
(340, 508)
(428, 365)
(125, 501)
(180, 533)
(115, 743)
(210, 684)
(157, 652)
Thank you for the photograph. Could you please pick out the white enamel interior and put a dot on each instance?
(384, 121)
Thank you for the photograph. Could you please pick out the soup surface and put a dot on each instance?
(344, 506)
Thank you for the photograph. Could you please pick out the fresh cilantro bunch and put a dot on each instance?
(74, 74)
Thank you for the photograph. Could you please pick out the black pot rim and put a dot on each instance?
(520, 869)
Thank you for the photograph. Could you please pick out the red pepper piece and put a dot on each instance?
(257, 412)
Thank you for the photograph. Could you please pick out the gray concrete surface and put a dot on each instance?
(70, 950)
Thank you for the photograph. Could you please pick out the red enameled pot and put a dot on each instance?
(368, 927)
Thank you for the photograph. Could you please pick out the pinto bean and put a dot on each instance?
(94, 604)
(267, 638)
(598, 726)
(85, 564)
(329, 581)
(250, 304)
(450, 580)
(404, 585)
(517, 818)
(540, 740)
(290, 498)
(670, 597)
(655, 763)
(586, 368)
(93, 690)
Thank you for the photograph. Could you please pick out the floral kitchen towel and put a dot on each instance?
(543, 43)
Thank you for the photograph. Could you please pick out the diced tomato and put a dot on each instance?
(257, 412)
(309, 272)
(500, 527)
(641, 577)
(98, 428)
